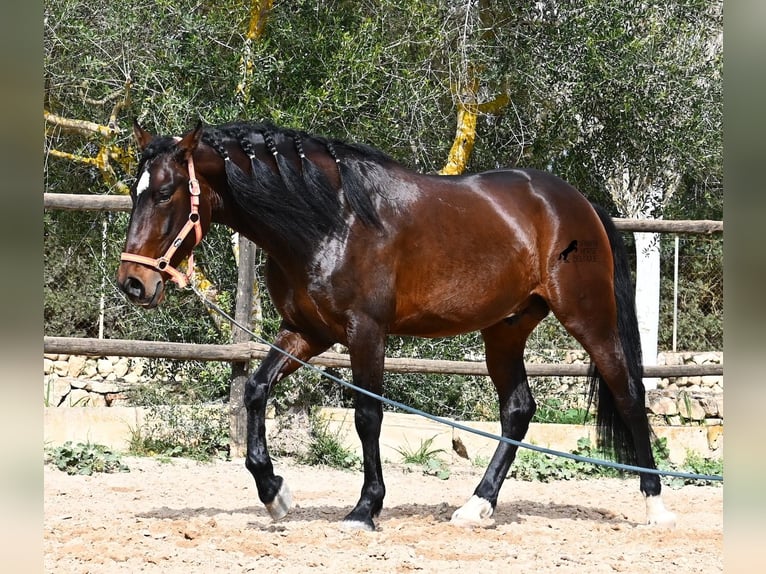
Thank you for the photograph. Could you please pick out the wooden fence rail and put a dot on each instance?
(78, 201)
(253, 351)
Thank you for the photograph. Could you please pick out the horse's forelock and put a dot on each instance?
(157, 147)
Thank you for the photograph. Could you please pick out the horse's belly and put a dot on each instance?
(451, 317)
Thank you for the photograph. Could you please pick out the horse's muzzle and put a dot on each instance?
(147, 294)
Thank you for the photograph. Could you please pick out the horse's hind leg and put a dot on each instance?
(622, 419)
(504, 345)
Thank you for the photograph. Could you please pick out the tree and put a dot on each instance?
(613, 96)
(634, 109)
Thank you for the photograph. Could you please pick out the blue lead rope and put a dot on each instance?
(453, 424)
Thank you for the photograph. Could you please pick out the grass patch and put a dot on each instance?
(198, 432)
(85, 458)
(427, 457)
(326, 447)
(554, 411)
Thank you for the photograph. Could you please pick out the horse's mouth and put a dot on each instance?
(138, 295)
(157, 296)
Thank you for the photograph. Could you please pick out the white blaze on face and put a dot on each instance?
(143, 182)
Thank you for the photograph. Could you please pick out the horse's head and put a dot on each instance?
(171, 213)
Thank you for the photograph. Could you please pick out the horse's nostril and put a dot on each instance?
(133, 288)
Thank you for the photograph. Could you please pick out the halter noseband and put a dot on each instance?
(163, 263)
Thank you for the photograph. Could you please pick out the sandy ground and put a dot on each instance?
(188, 517)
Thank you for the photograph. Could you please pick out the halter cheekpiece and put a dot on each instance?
(162, 263)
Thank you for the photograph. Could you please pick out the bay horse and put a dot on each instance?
(360, 247)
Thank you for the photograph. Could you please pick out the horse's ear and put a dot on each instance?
(142, 136)
(190, 141)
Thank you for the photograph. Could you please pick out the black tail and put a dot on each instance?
(614, 435)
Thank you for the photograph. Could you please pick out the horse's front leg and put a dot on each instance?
(367, 352)
(272, 489)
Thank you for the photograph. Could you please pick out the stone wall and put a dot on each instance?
(71, 380)
(698, 399)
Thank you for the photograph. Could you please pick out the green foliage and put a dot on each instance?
(641, 91)
(437, 468)
(694, 463)
(553, 410)
(697, 464)
(461, 397)
(420, 455)
(182, 382)
(480, 461)
(85, 458)
(617, 84)
(192, 431)
(533, 465)
(426, 457)
(368, 72)
(326, 447)
(700, 294)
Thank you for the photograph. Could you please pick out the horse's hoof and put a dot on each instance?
(657, 514)
(476, 512)
(665, 520)
(357, 525)
(283, 501)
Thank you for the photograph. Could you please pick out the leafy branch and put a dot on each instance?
(109, 153)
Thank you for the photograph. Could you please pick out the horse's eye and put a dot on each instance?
(164, 194)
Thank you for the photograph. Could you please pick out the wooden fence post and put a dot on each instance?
(241, 370)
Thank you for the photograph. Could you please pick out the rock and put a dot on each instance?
(131, 378)
(117, 400)
(102, 387)
(713, 405)
(105, 367)
(121, 367)
(61, 368)
(76, 365)
(91, 370)
(714, 436)
(690, 408)
(77, 383)
(664, 405)
(711, 380)
(77, 398)
(96, 400)
(55, 390)
(707, 358)
(137, 366)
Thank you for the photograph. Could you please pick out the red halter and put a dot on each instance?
(163, 263)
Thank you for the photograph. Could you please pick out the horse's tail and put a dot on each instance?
(614, 435)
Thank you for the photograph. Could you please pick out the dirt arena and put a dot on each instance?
(187, 517)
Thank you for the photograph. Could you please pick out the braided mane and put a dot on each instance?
(297, 201)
